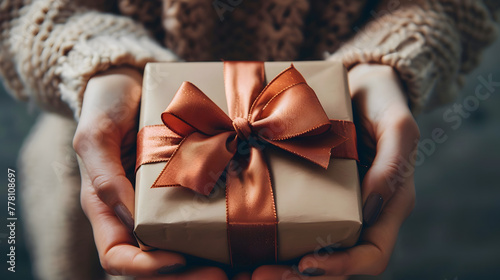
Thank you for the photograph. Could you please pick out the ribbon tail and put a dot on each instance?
(316, 149)
(197, 163)
(251, 212)
(348, 149)
(155, 143)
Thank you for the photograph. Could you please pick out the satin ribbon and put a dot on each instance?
(200, 143)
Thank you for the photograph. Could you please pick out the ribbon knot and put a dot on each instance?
(198, 142)
(242, 127)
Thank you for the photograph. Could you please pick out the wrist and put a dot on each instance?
(367, 71)
(125, 73)
(115, 82)
(376, 83)
(111, 90)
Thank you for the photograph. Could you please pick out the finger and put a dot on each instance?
(393, 165)
(205, 273)
(372, 255)
(99, 150)
(117, 251)
(281, 272)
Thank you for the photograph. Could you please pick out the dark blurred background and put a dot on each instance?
(454, 231)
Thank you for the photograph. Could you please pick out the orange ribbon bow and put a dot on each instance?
(200, 142)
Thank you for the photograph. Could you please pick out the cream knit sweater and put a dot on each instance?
(50, 48)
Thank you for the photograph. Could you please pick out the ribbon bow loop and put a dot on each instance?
(192, 111)
(289, 107)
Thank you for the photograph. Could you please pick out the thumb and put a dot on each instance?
(393, 164)
(99, 148)
(108, 115)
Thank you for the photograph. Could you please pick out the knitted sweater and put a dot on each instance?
(50, 49)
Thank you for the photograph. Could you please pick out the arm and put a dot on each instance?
(50, 49)
(80, 59)
(431, 44)
(414, 53)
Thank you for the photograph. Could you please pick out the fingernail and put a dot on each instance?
(372, 208)
(169, 269)
(124, 215)
(313, 271)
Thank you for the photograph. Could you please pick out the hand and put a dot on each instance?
(105, 144)
(388, 137)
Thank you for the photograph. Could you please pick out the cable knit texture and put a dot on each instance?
(431, 44)
(49, 49)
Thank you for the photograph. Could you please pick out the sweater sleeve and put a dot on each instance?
(431, 44)
(50, 49)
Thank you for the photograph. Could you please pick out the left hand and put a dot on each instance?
(105, 141)
(387, 130)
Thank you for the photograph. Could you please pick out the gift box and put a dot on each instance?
(250, 163)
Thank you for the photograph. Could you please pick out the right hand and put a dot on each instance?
(387, 136)
(104, 141)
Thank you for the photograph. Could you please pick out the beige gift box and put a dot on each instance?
(315, 207)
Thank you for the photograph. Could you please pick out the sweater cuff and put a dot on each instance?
(64, 55)
(422, 44)
(111, 48)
